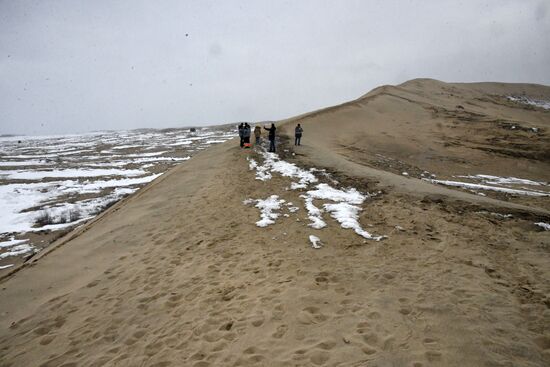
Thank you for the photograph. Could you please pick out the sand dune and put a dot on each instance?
(427, 126)
(180, 275)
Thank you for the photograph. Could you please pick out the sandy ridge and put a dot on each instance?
(181, 275)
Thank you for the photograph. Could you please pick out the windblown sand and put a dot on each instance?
(178, 274)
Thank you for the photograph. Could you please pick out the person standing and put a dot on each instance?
(271, 137)
(258, 133)
(241, 132)
(298, 134)
(246, 135)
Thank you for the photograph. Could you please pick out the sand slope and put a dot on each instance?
(445, 129)
(179, 275)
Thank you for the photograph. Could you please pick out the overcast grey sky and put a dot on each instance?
(75, 66)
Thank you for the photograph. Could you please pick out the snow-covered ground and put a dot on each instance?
(509, 185)
(530, 101)
(342, 204)
(59, 181)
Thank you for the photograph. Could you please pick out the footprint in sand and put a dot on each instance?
(370, 339)
(433, 355)
(311, 315)
(41, 330)
(362, 327)
(326, 345)
(47, 339)
(253, 350)
(198, 356)
(368, 350)
(258, 321)
(281, 331)
(429, 341)
(227, 326)
(374, 315)
(278, 312)
(319, 357)
(212, 337)
(135, 337)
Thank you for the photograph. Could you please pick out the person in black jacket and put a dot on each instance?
(241, 134)
(298, 134)
(246, 135)
(271, 137)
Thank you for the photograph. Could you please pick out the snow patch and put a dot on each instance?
(272, 163)
(495, 180)
(267, 210)
(344, 209)
(315, 214)
(530, 101)
(347, 215)
(326, 192)
(543, 225)
(12, 242)
(248, 201)
(23, 163)
(472, 186)
(262, 172)
(17, 250)
(38, 175)
(315, 242)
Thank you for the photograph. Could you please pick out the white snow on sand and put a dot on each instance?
(327, 192)
(60, 214)
(38, 175)
(347, 215)
(315, 214)
(495, 180)
(12, 242)
(5, 266)
(530, 101)
(473, 186)
(56, 227)
(180, 143)
(291, 208)
(267, 210)
(17, 250)
(345, 209)
(84, 164)
(29, 156)
(127, 146)
(344, 206)
(262, 172)
(315, 242)
(139, 155)
(543, 225)
(24, 163)
(17, 199)
(272, 163)
(97, 186)
(213, 141)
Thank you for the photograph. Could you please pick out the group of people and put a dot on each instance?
(245, 131)
(244, 134)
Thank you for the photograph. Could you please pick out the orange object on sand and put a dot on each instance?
(247, 145)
